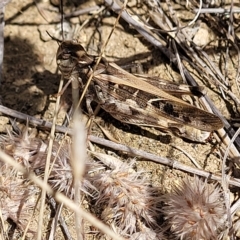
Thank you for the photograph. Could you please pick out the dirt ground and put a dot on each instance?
(31, 81)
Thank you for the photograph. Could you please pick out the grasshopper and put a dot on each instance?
(135, 99)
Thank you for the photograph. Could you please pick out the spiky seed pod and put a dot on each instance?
(17, 201)
(127, 199)
(147, 234)
(18, 196)
(32, 153)
(195, 210)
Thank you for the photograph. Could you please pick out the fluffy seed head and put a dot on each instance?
(32, 153)
(195, 210)
(127, 199)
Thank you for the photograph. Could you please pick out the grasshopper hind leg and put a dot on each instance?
(190, 133)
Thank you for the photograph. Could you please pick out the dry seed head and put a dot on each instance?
(17, 195)
(31, 152)
(17, 202)
(147, 234)
(195, 210)
(127, 200)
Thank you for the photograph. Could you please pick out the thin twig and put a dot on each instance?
(60, 219)
(157, 159)
(225, 179)
(34, 121)
(120, 147)
(188, 155)
(82, 11)
(217, 10)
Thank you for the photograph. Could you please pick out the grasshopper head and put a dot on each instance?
(70, 56)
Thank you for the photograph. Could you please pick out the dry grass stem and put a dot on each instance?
(78, 163)
(169, 162)
(47, 166)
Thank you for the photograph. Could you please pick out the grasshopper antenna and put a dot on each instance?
(61, 10)
(54, 38)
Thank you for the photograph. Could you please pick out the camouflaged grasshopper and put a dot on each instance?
(135, 99)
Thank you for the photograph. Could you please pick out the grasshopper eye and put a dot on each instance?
(58, 61)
